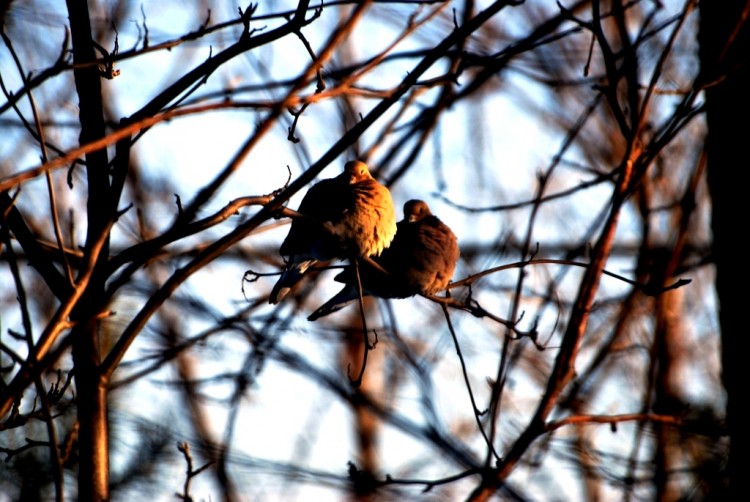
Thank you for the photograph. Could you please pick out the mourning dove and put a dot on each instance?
(420, 260)
(349, 216)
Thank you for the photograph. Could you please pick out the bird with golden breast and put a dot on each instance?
(350, 217)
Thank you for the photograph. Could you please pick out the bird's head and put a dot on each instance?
(415, 210)
(356, 170)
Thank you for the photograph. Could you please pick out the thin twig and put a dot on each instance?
(648, 289)
(184, 448)
(477, 412)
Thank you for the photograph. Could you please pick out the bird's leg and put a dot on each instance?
(376, 266)
(358, 381)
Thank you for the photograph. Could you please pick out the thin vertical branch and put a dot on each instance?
(476, 411)
(54, 448)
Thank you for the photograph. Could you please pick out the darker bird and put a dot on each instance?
(420, 260)
(349, 216)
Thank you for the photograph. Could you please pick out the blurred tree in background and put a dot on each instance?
(151, 154)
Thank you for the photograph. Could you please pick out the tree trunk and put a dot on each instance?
(93, 474)
(724, 45)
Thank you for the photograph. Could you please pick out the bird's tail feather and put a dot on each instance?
(340, 300)
(291, 276)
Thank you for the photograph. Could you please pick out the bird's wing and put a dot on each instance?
(430, 265)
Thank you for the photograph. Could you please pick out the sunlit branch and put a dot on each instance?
(613, 420)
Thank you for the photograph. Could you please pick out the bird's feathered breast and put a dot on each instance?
(423, 256)
(370, 221)
(341, 219)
